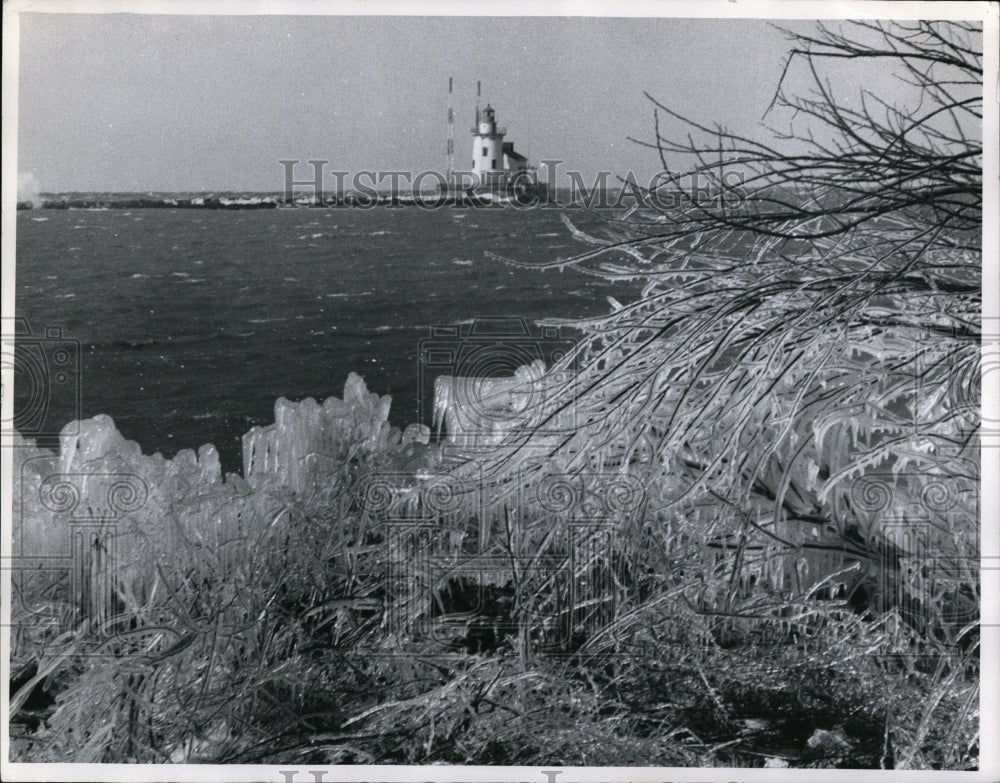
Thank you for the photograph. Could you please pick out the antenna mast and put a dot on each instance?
(451, 133)
(479, 90)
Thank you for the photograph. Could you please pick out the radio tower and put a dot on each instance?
(451, 134)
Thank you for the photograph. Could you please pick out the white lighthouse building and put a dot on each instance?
(494, 161)
(495, 164)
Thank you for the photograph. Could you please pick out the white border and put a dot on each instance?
(987, 12)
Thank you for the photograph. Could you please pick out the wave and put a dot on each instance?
(398, 328)
(348, 294)
(142, 343)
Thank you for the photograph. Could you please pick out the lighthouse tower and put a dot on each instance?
(487, 147)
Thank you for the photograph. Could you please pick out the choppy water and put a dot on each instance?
(190, 323)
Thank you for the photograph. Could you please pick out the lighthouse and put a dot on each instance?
(495, 164)
(487, 147)
(494, 160)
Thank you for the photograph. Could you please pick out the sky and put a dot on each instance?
(134, 102)
(140, 102)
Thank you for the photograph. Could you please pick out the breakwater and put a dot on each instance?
(166, 202)
(352, 200)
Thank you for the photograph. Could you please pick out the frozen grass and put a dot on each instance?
(297, 637)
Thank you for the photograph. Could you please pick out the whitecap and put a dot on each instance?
(346, 294)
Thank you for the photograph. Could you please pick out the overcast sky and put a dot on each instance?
(144, 102)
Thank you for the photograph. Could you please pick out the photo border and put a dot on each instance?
(809, 9)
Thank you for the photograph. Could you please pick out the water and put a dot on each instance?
(190, 323)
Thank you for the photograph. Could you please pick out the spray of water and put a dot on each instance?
(28, 188)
